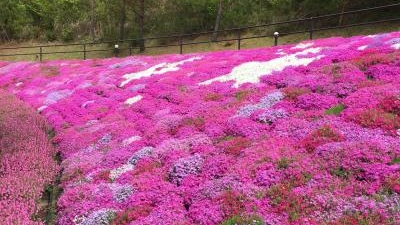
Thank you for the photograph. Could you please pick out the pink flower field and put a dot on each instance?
(298, 134)
(26, 162)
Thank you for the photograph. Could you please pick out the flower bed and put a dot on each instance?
(26, 162)
(296, 134)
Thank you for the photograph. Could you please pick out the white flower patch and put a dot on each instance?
(130, 140)
(121, 192)
(99, 217)
(303, 45)
(133, 100)
(19, 84)
(115, 173)
(137, 87)
(130, 165)
(265, 103)
(85, 104)
(280, 52)
(396, 46)
(361, 48)
(78, 219)
(12, 66)
(54, 97)
(41, 108)
(84, 85)
(371, 36)
(156, 70)
(91, 122)
(250, 72)
(398, 132)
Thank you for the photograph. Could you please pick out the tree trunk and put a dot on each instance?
(217, 21)
(93, 20)
(342, 10)
(141, 25)
(4, 35)
(122, 21)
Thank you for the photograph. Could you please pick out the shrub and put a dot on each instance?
(322, 135)
(292, 93)
(371, 59)
(26, 161)
(377, 118)
(284, 200)
(360, 218)
(213, 97)
(392, 184)
(129, 215)
(232, 203)
(391, 104)
(234, 145)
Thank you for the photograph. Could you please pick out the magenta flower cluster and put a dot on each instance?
(298, 134)
(27, 163)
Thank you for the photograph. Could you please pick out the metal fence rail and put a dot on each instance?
(309, 25)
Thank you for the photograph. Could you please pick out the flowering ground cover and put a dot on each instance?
(296, 134)
(26, 162)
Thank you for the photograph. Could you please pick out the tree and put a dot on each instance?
(93, 19)
(217, 21)
(77, 20)
(139, 14)
(13, 19)
(123, 20)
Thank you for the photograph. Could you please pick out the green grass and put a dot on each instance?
(239, 220)
(396, 160)
(340, 172)
(283, 163)
(225, 45)
(335, 110)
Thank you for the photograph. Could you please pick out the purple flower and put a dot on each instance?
(185, 167)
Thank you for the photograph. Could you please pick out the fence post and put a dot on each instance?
(311, 28)
(239, 38)
(41, 54)
(116, 50)
(130, 49)
(276, 36)
(142, 45)
(84, 51)
(181, 44)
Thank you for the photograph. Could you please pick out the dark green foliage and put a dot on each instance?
(283, 164)
(72, 20)
(335, 110)
(51, 133)
(243, 220)
(340, 172)
(396, 160)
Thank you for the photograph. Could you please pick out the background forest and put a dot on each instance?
(73, 20)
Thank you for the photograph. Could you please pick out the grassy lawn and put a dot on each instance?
(105, 50)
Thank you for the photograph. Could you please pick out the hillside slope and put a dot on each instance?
(27, 165)
(296, 134)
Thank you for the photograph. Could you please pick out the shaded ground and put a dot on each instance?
(251, 43)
